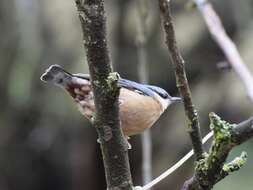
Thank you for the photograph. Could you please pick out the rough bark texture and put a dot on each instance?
(106, 91)
(182, 83)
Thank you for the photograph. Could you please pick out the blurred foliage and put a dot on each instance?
(46, 144)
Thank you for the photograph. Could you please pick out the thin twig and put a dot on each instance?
(219, 34)
(182, 83)
(141, 40)
(106, 92)
(175, 166)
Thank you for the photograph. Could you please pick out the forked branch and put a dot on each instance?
(211, 169)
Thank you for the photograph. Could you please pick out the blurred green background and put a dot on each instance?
(45, 144)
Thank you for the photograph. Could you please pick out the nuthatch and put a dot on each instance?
(140, 105)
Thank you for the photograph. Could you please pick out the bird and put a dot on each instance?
(140, 105)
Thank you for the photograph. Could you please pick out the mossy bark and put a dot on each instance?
(212, 168)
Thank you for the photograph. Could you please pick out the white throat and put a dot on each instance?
(164, 102)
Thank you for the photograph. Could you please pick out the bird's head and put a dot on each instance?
(163, 97)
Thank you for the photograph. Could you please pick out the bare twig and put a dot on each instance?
(182, 83)
(106, 91)
(141, 40)
(226, 44)
(177, 165)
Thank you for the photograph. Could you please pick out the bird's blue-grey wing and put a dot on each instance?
(158, 90)
(131, 85)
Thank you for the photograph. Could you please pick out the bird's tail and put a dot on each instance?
(57, 75)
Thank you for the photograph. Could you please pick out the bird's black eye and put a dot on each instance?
(163, 95)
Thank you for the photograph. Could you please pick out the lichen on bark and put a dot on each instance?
(212, 167)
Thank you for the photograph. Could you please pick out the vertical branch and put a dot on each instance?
(182, 83)
(142, 11)
(146, 156)
(226, 44)
(141, 40)
(106, 91)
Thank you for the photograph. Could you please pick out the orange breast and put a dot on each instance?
(137, 112)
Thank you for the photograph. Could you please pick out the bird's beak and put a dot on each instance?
(176, 99)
